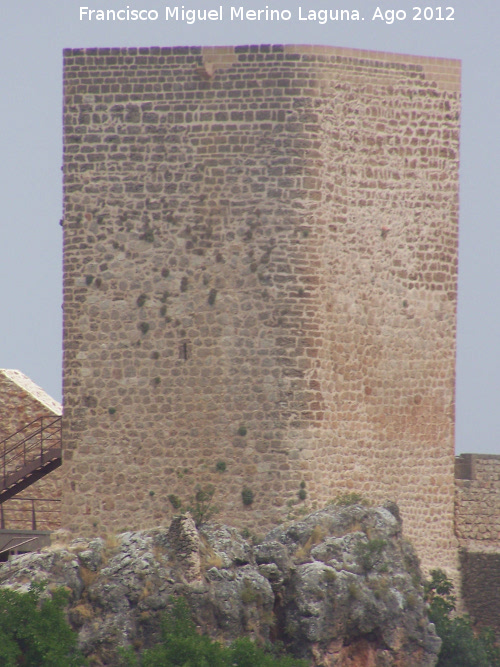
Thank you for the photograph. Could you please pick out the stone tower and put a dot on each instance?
(260, 280)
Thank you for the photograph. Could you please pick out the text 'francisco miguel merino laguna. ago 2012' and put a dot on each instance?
(242, 13)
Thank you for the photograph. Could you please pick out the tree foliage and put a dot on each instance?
(34, 631)
(182, 646)
(201, 508)
(461, 646)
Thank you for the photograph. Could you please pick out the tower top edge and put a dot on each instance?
(300, 49)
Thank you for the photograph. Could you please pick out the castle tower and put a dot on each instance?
(260, 280)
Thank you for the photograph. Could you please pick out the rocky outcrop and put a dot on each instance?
(341, 587)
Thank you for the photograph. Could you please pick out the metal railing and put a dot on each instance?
(30, 514)
(33, 445)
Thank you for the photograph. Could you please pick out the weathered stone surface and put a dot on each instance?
(21, 403)
(477, 506)
(477, 525)
(260, 270)
(185, 542)
(341, 587)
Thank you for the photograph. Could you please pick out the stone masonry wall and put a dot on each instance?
(480, 590)
(477, 526)
(21, 402)
(260, 263)
(477, 508)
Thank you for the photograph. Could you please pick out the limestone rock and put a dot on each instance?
(340, 588)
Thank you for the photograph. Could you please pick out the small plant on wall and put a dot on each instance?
(175, 501)
(247, 496)
(348, 499)
(201, 507)
(212, 296)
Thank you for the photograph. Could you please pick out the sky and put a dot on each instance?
(33, 35)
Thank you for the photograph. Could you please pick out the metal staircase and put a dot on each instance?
(29, 454)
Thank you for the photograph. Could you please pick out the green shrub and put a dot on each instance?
(461, 647)
(212, 296)
(247, 496)
(182, 646)
(175, 501)
(34, 632)
(244, 653)
(370, 553)
(348, 499)
(202, 509)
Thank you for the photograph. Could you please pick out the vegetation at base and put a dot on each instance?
(182, 646)
(348, 499)
(34, 631)
(461, 647)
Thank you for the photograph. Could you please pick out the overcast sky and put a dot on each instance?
(33, 34)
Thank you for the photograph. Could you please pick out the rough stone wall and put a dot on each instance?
(477, 507)
(480, 589)
(477, 526)
(260, 262)
(21, 402)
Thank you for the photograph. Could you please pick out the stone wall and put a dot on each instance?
(22, 402)
(477, 525)
(260, 263)
(480, 590)
(477, 509)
